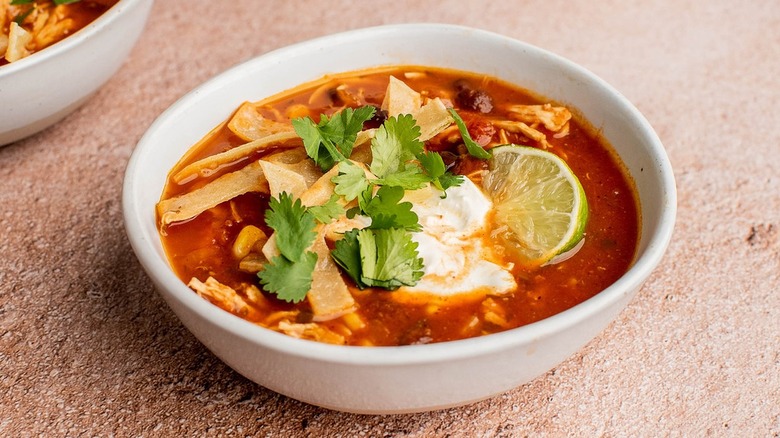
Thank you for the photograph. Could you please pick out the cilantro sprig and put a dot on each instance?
(289, 274)
(383, 254)
(385, 258)
(332, 139)
(386, 209)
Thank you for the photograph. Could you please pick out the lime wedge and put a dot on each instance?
(541, 210)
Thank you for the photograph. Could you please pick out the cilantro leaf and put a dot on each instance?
(346, 254)
(411, 177)
(328, 211)
(389, 258)
(437, 171)
(474, 149)
(395, 143)
(318, 147)
(332, 139)
(289, 280)
(351, 180)
(293, 224)
(448, 180)
(386, 210)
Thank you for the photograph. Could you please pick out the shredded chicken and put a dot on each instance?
(222, 295)
(311, 331)
(522, 128)
(554, 118)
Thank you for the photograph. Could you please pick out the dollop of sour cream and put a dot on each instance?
(457, 259)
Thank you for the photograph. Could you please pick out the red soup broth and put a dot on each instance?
(201, 247)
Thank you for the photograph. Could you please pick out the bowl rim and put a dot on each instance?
(163, 276)
(71, 41)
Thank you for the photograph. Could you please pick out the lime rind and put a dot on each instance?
(541, 207)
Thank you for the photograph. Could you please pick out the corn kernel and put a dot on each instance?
(246, 240)
(353, 321)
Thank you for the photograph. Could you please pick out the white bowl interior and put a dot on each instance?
(477, 51)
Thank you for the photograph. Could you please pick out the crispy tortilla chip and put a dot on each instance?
(400, 99)
(321, 191)
(552, 117)
(335, 230)
(18, 38)
(329, 296)
(208, 165)
(362, 151)
(317, 194)
(270, 250)
(224, 188)
(281, 179)
(432, 118)
(250, 125)
(296, 160)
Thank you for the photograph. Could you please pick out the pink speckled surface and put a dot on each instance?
(88, 348)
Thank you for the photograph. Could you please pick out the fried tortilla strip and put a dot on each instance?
(552, 117)
(224, 188)
(18, 38)
(281, 179)
(318, 194)
(335, 230)
(329, 296)
(400, 99)
(321, 191)
(432, 118)
(362, 150)
(208, 165)
(250, 125)
(297, 161)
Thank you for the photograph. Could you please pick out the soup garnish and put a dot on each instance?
(397, 206)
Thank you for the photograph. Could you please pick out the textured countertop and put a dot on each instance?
(87, 347)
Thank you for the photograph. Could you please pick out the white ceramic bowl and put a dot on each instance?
(41, 89)
(407, 378)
